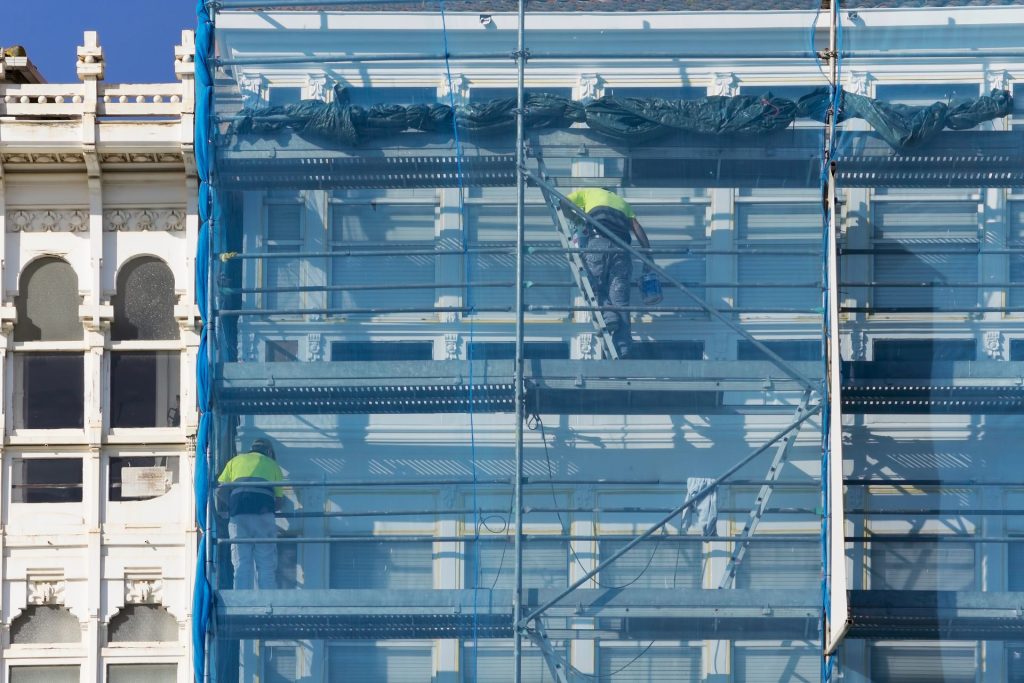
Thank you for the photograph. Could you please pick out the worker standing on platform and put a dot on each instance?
(609, 267)
(251, 513)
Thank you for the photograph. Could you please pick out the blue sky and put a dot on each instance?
(138, 36)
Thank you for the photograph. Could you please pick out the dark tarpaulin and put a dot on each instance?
(626, 119)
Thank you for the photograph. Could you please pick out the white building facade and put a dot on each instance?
(99, 340)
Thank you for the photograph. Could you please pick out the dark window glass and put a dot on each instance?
(928, 350)
(151, 478)
(803, 349)
(144, 302)
(280, 665)
(45, 624)
(787, 92)
(281, 96)
(48, 480)
(143, 623)
(282, 350)
(477, 95)
(1015, 663)
(678, 92)
(52, 389)
(922, 94)
(47, 302)
(352, 351)
(1014, 575)
(367, 97)
(667, 350)
(144, 389)
(507, 350)
(1017, 349)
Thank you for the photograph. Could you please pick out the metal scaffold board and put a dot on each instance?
(790, 158)
(621, 613)
(552, 386)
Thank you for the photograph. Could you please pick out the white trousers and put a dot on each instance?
(247, 557)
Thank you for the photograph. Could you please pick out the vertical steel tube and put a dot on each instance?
(517, 595)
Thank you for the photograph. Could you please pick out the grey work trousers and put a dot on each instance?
(247, 557)
(610, 272)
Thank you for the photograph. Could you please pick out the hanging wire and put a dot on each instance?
(534, 422)
(468, 303)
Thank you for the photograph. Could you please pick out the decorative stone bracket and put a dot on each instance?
(45, 587)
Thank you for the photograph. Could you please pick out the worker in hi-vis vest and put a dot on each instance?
(609, 267)
(251, 513)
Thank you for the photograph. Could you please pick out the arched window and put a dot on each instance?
(47, 302)
(143, 623)
(49, 385)
(44, 624)
(144, 301)
(145, 385)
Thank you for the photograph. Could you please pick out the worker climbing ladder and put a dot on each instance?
(576, 267)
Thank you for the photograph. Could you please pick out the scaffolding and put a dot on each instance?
(774, 396)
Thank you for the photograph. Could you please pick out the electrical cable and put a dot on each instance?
(533, 423)
(469, 346)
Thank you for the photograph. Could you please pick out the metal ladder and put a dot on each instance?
(763, 496)
(576, 267)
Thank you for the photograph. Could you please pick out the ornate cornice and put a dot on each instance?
(144, 220)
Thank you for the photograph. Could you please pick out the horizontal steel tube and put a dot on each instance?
(490, 538)
(447, 512)
(527, 481)
(242, 312)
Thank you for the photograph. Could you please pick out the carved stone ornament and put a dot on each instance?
(725, 84)
(992, 342)
(586, 344)
(316, 86)
(997, 79)
(314, 347)
(144, 220)
(46, 589)
(143, 590)
(591, 87)
(48, 220)
(459, 90)
(249, 87)
(858, 82)
(451, 346)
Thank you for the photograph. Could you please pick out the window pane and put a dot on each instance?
(653, 564)
(924, 350)
(281, 350)
(908, 664)
(44, 624)
(784, 227)
(145, 389)
(48, 480)
(507, 350)
(134, 673)
(44, 674)
(809, 349)
(373, 226)
(382, 565)
(143, 623)
(367, 97)
(777, 665)
(52, 389)
(545, 564)
(47, 303)
(353, 351)
(922, 566)
(491, 662)
(144, 302)
(367, 662)
(780, 566)
(657, 665)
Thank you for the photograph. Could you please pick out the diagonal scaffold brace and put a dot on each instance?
(524, 624)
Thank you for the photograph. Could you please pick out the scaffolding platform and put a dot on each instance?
(581, 387)
(630, 613)
(962, 387)
(929, 615)
(790, 158)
